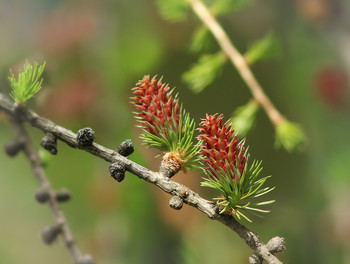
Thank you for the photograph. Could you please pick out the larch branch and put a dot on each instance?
(175, 189)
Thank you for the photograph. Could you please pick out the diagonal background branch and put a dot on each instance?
(238, 61)
(60, 220)
(175, 189)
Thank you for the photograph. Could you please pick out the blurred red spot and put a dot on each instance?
(73, 98)
(318, 11)
(64, 30)
(332, 86)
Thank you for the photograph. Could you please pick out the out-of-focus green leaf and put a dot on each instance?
(204, 72)
(173, 10)
(266, 48)
(200, 40)
(244, 117)
(188, 254)
(221, 7)
(45, 157)
(124, 52)
(290, 136)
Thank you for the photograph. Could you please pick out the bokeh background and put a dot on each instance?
(95, 52)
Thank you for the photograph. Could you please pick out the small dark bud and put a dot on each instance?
(63, 195)
(117, 171)
(85, 137)
(50, 233)
(12, 147)
(42, 196)
(125, 148)
(176, 202)
(49, 142)
(87, 259)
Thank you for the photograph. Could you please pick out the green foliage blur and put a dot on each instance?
(96, 51)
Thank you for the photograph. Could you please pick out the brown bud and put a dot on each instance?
(50, 233)
(42, 195)
(49, 142)
(125, 148)
(117, 171)
(63, 195)
(85, 137)
(12, 147)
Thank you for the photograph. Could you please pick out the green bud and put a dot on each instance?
(266, 48)
(290, 136)
(27, 83)
(244, 116)
(205, 71)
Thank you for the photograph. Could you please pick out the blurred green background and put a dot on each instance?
(95, 52)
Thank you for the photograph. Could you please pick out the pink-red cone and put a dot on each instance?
(221, 149)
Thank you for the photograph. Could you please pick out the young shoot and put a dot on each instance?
(27, 83)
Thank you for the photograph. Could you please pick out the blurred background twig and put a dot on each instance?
(46, 194)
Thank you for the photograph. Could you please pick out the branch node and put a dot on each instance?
(19, 110)
(126, 148)
(85, 137)
(255, 259)
(276, 244)
(49, 233)
(117, 171)
(176, 202)
(49, 142)
(13, 147)
(253, 240)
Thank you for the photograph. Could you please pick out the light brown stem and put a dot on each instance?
(237, 60)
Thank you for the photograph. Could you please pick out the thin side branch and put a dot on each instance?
(39, 172)
(237, 60)
(175, 189)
